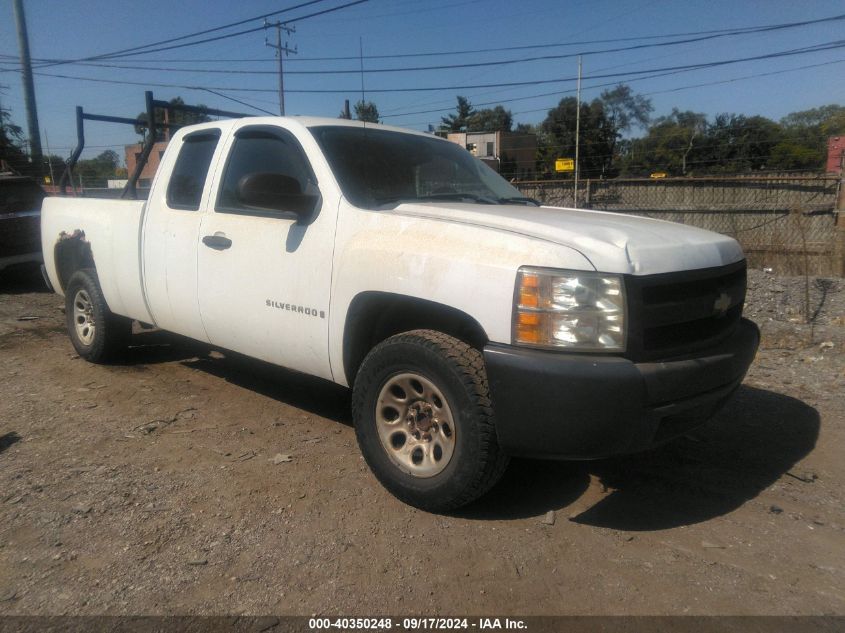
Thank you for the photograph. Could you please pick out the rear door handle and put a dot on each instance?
(217, 242)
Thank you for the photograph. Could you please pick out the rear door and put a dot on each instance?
(264, 277)
(171, 232)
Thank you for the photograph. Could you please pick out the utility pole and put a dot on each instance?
(280, 51)
(28, 89)
(49, 159)
(577, 131)
(2, 124)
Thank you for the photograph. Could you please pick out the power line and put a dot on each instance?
(709, 83)
(640, 74)
(728, 81)
(834, 45)
(701, 36)
(603, 85)
(237, 33)
(500, 62)
(195, 34)
(249, 105)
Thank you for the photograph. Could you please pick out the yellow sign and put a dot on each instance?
(564, 164)
(659, 174)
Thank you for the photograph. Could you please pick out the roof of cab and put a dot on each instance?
(305, 121)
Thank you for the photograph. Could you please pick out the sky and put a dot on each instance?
(383, 30)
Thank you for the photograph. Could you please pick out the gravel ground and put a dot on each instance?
(155, 487)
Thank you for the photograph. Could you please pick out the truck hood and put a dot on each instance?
(612, 242)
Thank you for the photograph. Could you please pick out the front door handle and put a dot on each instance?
(217, 242)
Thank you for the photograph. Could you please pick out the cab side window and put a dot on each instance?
(191, 169)
(262, 150)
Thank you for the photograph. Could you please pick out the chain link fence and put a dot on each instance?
(784, 223)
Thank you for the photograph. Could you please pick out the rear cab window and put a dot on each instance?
(187, 180)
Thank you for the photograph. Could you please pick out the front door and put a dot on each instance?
(265, 276)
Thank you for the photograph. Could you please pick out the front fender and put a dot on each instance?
(469, 268)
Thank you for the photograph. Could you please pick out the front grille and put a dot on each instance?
(673, 314)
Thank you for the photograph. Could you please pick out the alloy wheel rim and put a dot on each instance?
(83, 317)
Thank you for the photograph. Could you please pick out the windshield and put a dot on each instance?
(379, 168)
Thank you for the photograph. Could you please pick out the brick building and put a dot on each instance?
(835, 152)
(133, 153)
(512, 154)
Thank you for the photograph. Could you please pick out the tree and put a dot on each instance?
(805, 134)
(366, 111)
(490, 120)
(94, 172)
(670, 145)
(11, 143)
(603, 122)
(457, 122)
(176, 117)
(597, 136)
(793, 155)
(622, 110)
(815, 117)
(10, 133)
(737, 143)
(834, 125)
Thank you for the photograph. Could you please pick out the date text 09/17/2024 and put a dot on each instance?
(415, 623)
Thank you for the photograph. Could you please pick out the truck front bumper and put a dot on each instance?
(573, 406)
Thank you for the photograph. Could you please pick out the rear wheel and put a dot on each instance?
(97, 334)
(424, 420)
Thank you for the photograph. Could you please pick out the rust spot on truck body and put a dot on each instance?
(71, 253)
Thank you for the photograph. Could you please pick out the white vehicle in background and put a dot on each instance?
(471, 323)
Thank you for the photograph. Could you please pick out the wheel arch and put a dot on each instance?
(72, 252)
(374, 316)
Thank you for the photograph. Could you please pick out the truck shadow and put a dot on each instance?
(151, 347)
(712, 471)
(754, 441)
(317, 396)
(22, 279)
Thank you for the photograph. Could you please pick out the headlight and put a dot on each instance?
(583, 311)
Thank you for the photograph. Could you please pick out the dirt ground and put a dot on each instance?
(150, 488)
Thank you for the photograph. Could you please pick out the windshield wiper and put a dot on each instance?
(520, 199)
(456, 196)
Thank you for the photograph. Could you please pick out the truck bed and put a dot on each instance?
(112, 229)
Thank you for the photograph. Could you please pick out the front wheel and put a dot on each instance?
(97, 334)
(424, 421)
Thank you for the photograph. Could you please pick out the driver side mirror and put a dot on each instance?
(278, 193)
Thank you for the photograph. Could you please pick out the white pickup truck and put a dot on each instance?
(471, 323)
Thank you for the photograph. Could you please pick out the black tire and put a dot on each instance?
(456, 371)
(108, 336)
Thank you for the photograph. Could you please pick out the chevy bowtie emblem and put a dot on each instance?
(721, 305)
